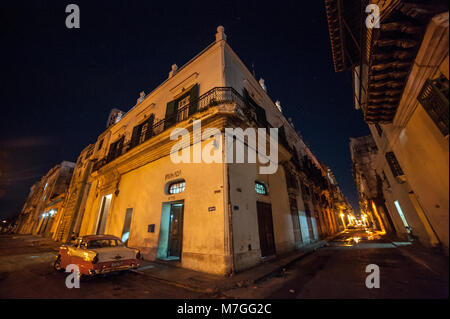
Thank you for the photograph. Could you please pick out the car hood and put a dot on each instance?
(114, 253)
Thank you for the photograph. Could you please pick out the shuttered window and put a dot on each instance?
(143, 131)
(173, 107)
(291, 180)
(115, 149)
(193, 100)
(260, 111)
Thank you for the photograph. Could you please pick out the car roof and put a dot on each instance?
(98, 237)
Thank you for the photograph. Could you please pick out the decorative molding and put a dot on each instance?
(432, 52)
(188, 81)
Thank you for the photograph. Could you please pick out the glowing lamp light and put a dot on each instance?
(51, 212)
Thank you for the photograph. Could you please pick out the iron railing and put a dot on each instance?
(434, 99)
(214, 97)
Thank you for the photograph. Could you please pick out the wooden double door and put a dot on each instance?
(175, 230)
(265, 226)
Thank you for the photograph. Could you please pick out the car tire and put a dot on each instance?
(57, 264)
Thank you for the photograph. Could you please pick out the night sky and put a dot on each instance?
(58, 85)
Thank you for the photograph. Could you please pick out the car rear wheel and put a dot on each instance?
(57, 264)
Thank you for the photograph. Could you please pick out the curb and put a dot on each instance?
(175, 283)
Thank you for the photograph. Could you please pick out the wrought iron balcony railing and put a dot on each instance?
(214, 97)
(434, 99)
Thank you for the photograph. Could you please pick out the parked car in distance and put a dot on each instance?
(97, 254)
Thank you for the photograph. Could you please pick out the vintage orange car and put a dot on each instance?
(97, 254)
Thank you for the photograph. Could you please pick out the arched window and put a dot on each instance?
(177, 187)
(260, 188)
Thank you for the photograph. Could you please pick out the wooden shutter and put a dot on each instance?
(135, 136)
(193, 100)
(112, 151)
(260, 111)
(119, 146)
(149, 132)
(171, 114)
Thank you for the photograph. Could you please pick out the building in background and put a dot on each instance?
(24, 222)
(364, 153)
(341, 206)
(75, 201)
(400, 81)
(41, 212)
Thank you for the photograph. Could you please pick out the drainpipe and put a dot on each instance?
(228, 208)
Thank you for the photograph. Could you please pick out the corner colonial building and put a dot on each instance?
(213, 215)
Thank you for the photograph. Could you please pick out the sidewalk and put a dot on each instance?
(208, 283)
(432, 259)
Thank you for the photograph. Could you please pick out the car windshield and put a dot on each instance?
(103, 243)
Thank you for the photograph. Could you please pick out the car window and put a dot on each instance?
(77, 242)
(103, 243)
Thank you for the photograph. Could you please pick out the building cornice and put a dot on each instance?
(432, 52)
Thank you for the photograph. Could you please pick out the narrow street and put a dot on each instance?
(334, 271)
(26, 272)
(338, 271)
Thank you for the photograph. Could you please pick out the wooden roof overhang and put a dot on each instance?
(392, 51)
(344, 26)
(389, 52)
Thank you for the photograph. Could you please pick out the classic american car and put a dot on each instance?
(97, 254)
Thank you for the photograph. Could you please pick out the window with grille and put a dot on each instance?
(177, 187)
(260, 188)
(434, 99)
(393, 164)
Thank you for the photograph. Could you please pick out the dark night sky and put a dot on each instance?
(58, 85)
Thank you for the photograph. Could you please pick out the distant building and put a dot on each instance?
(25, 218)
(75, 201)
(400, 80)
(364, 152)
(41, 212)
